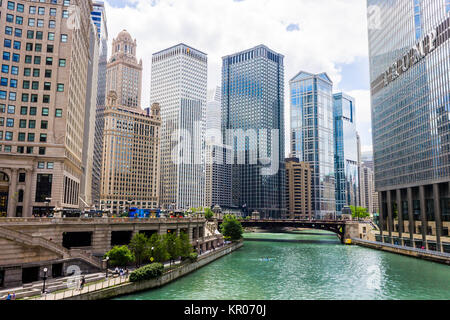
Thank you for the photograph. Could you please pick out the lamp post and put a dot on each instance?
(45, 278)
(106, 275)
(198, 249)
(152, 259)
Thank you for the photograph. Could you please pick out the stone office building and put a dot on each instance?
(44, 71)
(410, 86)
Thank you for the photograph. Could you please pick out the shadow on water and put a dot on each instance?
(293, 241)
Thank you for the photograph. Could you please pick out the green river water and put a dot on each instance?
(317, 267)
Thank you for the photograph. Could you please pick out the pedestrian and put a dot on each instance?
(8, 297)
(83, 281)
(116, 270)
(14, 296)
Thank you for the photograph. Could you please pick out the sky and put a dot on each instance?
(314, 36)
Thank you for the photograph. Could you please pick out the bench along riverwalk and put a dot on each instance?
(114, 287)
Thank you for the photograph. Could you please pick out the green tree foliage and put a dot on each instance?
(172, 246)
(147, 272)
(231, 228)
(159, 252)
(139, 247)
(209, 214)
(184, 245)
(119, 256)
(359, 212)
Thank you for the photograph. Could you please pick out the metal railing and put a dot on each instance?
(394, 246)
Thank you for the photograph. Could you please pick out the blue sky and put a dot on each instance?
(313, 36)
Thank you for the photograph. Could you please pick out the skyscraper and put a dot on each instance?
(346, 147)
(367, 189)
(98, 16)
(179, 85)
(42, 105)
(410, 87)
(253, 125)
(313, 136)
(298, 189)
(124, 72)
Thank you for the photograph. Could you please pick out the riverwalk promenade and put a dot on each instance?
(110, 287)
(435, 256)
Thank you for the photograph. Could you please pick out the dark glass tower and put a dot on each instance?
(253, 102)
(410, 85)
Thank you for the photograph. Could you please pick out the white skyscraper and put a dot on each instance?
(179, 85)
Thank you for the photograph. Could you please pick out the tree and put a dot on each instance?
(159, 252)
(231, 228)
(119, 256)
(139, 246)
(172, 245)
(184, 245)
(209, 214)
(359, 212)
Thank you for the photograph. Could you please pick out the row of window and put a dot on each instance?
(21, 149)
(12, 96)
(22, 123)
(32, 21)
(9, 136)
(32, 9)
(26, 71)
(26, 84)
(31, 34)
(33, 110)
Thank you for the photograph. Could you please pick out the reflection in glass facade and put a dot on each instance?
(312, 136)
(346, 152)
(410, 84)
(253, 99)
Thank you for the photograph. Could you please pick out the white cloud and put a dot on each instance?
(330, 32)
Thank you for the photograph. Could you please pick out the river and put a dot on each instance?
(316, 267)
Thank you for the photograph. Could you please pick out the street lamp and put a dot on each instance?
(107, 259)
(151, 259)
(198, 249)
(45, 278)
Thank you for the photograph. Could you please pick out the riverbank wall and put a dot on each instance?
(438, 257)
(134, 287)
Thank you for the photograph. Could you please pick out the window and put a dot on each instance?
(27, 72)
(28, 59)
(65, 14)
(40, 23)
(49, 61)
(16, 45)
(58, 113)
(25, 97)
(66, 3)
(31, 22)
(11, 109)
(2, 108)
(37, 60)
(22, 176)
(29, 46)
(2, 95)
(18, 32)
(34, 98)
(46, 99)
(47, 86)
(60, 87)
(33, 111)
(30, 137)
(2, 122)
(12, 96)
(44, 124)
(30, 34)
(8, 31)
(52, 24)
(53, 12)
(8, 135)
(49, 165)
(31, 124)
(32, 10)
(36, 72)
(19, 20)
(7, 149)
(45, 111)
(16, 57)
(9, 18)
(20, 149)
(11, 5)
(14, 70)
(51, 36)
(29, 150)
(41, 165)
(42, 151)
(22, 123)
(5, 68)
(6, 56)
(35, 85)
(62, 62)
(13, 83)
(48, 73)
(43, 187)
(21, 136)
(10, 123)
(38, 47)
(64, 38)
(41, 11)
(39, 35)
(4, 82)
(50, 48)
(23, 110)
(43, 137)
(7, 43)
(20, 7)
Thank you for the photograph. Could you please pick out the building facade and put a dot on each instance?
(179, 85)
(86, 200)
(298, 190)
(98, 16)
(367, 189)
(313, 136)
(346, 156)
(42, 104)
(410, 86)
(130, 168)
(124, 72)
(253, 126)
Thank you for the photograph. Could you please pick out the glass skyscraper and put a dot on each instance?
(410, 86)
(312, 136)
(345, 152)
(253, 102)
